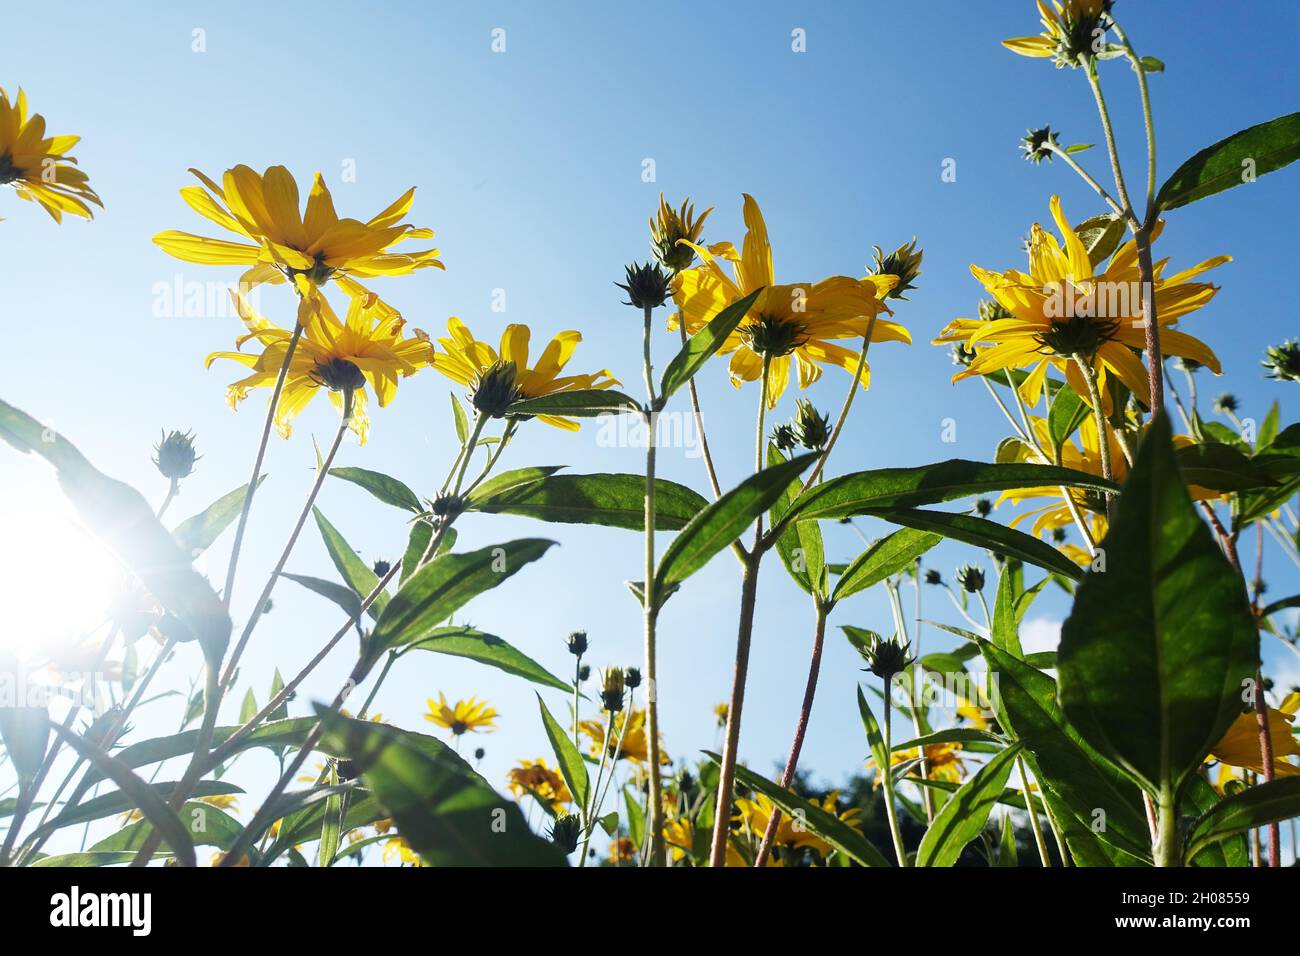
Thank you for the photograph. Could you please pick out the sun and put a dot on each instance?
(59, 581)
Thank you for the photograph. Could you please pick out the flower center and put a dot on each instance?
(1077, 335)
(338, 375)
(318, 274)
(458, 727)
(773, 336)
(8, 171)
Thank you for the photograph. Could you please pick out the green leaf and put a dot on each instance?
(196, 534)
(571, 764)
(461, 420)
(1265, 147)
(611, 500)
(723, 521)
(449, 814)
(120, 517)
(635, 818)
(1253, 807)
(874, 738)
(701, 346)
(277, 685)
(963, 816)
(963, 735)
(1221, 468)
(25, 732)
(421, 534)
(579, 403)
(1151, 64)
(331, 819)
(1095, 791)
(444, 585)
(985, 534)
(141, 794)
(1100, 236)
(800, 547)
(1158, 647)
(886, 557)
(343, 596)
(1079, 147)
(1067, 413)
(826, 825)
(384, 487)
(1281, 605)
(510, 479)
(491, 650)
(355, 572)
(1006, 622)
(207, 826)
(248, 709)
(866, 492)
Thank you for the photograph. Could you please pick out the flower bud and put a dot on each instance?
(1037, 144)
(970, 578)
(174, 455)
(566, 832)
(611, 689)
(672, 225)
(1283, 361)
(577, 642)
(647, 286)
(811, 428)
(904, 262)
(496, 390)
(632, 677)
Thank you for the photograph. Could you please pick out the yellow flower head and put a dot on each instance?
(396, 848)
(673, 231)
(1071, 29)
(1061, 309)
(343, 357)
(278, 242)
(622, 850)
(37, 166)
(942, 761)
(467, 716)
(472, 363)
(1240, 745)
(632, 741)
(535, 778)
(800, 320)
(756, 811)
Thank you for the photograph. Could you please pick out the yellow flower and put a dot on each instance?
(1061, 309)
(367, 347)
(633, 745)
(720, 712)
(222, 801)
(37, 166)
(942, 761)
(798, 320)
(679, 837)
(622, 850)
(1069, 29)
(541, 782)
(396, 848)
(282, 242)
(673, 231)
(467, 716)
(755, 812)
(1240, 745)
(464, 359)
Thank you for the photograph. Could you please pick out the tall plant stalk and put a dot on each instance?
(650, 607)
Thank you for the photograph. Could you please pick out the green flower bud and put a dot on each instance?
(904, 262)
(970, 578)
(174, 455)
(647, 286)
(496, 390)
(1283, 361)
(811, 428)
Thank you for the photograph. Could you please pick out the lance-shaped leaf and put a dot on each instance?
(1221, 468)
(810, 815)
(144, 797)
(510, 479)
(359, 576)
(963, 816)
(491, 650)
(384, 487)
(1250, 808)
(611, 500)
(1067, 413)
(579, 403)
(884, 558)
(196, 534)
(1100, 236)
(207, 825)
(875, 740)
(25, 732)
(1240, 158)
(985, 534)
(572, 767)
(723, 521)
(122, 519)
(343, 596)
(863, 492)
(701, 346)
(1096, 792)
(800, 546)
(444, 585)
(1158, 648)
(448, 814)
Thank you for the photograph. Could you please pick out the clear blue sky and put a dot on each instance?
(529, 166)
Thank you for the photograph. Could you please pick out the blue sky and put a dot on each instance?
(529, 164)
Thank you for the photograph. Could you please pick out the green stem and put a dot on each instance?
(888, 773)
(1167, 850)
(1099, 416)
(658, 853)
(1034, 825)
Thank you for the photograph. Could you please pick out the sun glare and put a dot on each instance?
(57, 578)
